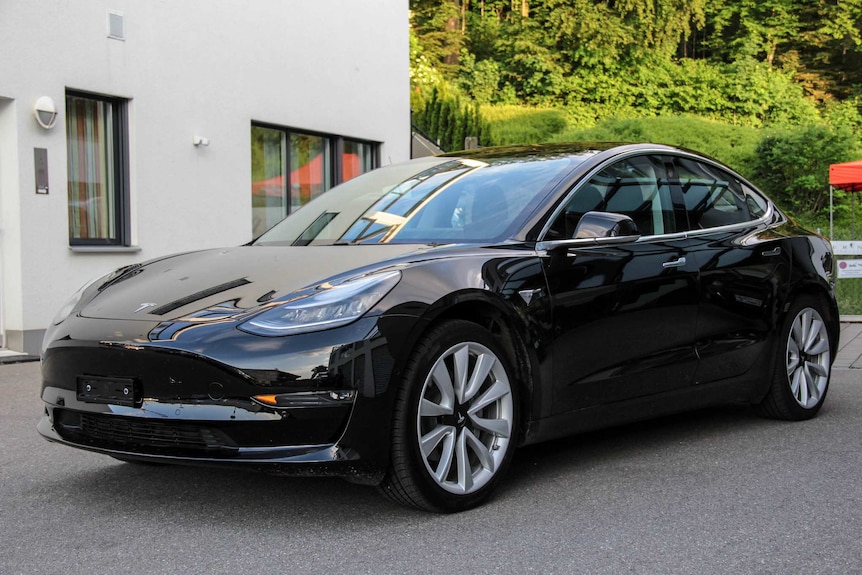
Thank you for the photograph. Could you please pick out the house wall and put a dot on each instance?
(188, 68)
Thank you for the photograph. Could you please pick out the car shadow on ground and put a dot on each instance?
(647, 444)
(207, 495)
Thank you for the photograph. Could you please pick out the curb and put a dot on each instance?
(18, 358)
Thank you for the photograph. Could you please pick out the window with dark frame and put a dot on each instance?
(637, 187)
(97, 165)
(291, 167)
(713, 197)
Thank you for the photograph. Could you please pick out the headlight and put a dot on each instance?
(68, 307)
(325, 306)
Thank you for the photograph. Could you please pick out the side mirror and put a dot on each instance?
(595, 228)
(599, 225)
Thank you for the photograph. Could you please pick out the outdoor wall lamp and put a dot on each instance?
(46, 112)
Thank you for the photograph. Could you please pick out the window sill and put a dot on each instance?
(105, 249)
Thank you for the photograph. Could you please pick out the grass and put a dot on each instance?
(512, 124)
(848, 291)
(733, 145)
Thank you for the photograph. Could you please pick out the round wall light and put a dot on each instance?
(46, 112)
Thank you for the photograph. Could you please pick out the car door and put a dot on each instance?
(744, 269)
(624, 313)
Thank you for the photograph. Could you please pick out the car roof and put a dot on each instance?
(556, 150)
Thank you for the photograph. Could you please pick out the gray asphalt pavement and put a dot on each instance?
(716, 491)
(850, 344)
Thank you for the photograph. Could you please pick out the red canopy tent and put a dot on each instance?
(847, 177)
(307, 175)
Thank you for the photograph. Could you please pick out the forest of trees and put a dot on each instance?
(766, 77)
(576, 51)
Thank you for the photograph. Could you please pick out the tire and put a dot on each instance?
(455, 421)
(803, 365)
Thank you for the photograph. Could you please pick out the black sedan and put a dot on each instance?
(413, 326)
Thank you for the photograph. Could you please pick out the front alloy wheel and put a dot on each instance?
(455, 420)
(464, 422)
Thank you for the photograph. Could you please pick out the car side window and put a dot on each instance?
(757, 204)
(637, 187)
(714, 197)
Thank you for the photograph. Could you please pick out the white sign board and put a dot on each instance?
(853, 248)
(849, 269)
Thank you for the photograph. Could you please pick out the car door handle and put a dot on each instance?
(772, 252)
(674, 264)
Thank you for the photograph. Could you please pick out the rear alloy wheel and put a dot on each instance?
(455, 421)
(802, 374)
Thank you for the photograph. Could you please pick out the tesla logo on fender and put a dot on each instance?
(144, 306)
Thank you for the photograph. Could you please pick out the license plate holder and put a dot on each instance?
(109, 390)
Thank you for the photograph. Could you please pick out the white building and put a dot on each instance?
(180, 126)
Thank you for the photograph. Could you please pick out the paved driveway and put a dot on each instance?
(717, 491)
(850, 345)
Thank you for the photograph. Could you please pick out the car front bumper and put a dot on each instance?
(186, 407)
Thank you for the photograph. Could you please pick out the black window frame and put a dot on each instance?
(335, 151)
(122, 212)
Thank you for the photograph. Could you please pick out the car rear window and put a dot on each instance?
(713, 197)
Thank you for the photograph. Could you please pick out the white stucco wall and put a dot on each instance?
(206, 68)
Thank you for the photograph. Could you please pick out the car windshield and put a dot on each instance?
(432, 200)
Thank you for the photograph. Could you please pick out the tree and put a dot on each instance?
(747, 61)
(793, 165)
(436, 24)
(449, 120)
(752, 28)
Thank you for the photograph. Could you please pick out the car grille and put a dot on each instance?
(141, 435)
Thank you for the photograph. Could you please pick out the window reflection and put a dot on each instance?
(357, 158)
(449, 201)
(291, 168)
(311, 168)
(268, 189)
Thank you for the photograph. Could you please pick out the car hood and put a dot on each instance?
(218, 283)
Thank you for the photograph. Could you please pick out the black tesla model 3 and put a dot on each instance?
(413, 326)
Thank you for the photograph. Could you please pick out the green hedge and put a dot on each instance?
(733, 145)
(509, 124)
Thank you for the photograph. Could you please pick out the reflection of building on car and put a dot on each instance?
(413, 326)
